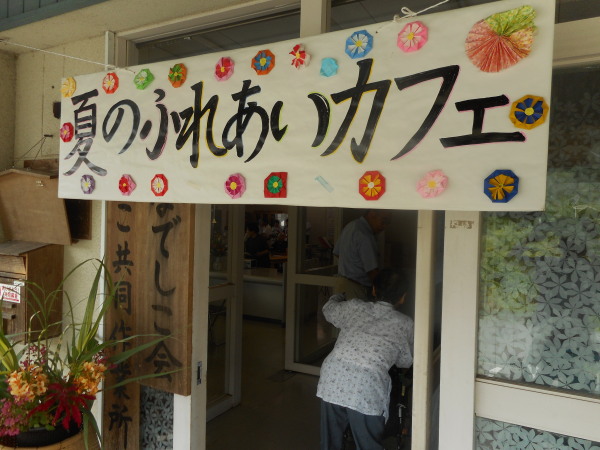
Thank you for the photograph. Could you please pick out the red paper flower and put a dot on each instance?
(371, 185)
(126, 185)
(300, 57)
(110, 83)
(159, 185)
(224, 69)
(67, 131)
(276, 185)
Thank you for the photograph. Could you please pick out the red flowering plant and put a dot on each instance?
(50, 382)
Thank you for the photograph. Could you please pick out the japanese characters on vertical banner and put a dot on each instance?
(166, 293)
(444, 111)
(148, 251)
(121, 405)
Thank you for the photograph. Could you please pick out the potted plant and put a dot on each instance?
(48, 385)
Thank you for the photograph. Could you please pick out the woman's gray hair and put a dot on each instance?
(390, 285)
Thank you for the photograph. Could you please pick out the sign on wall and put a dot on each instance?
(442, 111)
(149, 252)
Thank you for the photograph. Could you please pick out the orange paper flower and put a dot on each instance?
(371, 185)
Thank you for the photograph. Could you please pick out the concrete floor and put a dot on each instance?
(279, 410)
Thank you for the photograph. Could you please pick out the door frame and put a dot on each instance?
(423, 363)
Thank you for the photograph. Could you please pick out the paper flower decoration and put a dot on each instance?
(501, 186)
(329, 67)
(300, 58)
(126, 185)
(263, 62)
(177, 75)
(159, 185)
(276, 185)
(371, 185)
(412, 37)
(235, 186)
(224, 69)
(143, 79)
(432, 184)
(88, 184)
(359, 44)
(501, 40)
(66, 132)
(528, 112)
(68, 87)
(110, 83)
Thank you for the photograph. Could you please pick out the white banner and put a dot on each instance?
(444, 111)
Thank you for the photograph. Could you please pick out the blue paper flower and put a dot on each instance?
(359, 44)
(263, 62)
(329, 67)
(501, 186)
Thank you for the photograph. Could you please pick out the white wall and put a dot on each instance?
(36, 88)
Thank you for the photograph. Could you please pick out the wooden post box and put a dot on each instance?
(34, 222)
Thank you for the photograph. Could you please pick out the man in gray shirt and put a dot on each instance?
(358, 258)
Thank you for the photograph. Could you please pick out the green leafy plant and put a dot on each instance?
(52, 382)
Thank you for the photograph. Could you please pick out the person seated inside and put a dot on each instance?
(256, 247)
(354, 385)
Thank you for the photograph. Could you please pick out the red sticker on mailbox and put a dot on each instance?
(11, 292)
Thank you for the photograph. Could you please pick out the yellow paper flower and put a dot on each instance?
(68, 87)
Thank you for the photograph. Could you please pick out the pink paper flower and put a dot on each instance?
(300, 57)
(235, 186)
(110, 83)
(126, 184)
(67, 131)
(432, 184)
(412, 37)
(159, 185)
(224, 69)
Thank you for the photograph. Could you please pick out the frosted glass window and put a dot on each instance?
(539, 318)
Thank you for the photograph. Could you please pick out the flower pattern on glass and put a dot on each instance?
(126, 184)
(300, 58)
(88, 184)
(143, 79)
(359, 44)
(276, 185)
(501, 186)
(224, 69)
(67, 131)
(432, 184)
(110, 83)
(329, 67)
(235, 186)
(159, 185)
(371, 185)
(263, 62)
(68, 87)
(412, 37)
(177, 75)
(528, 112)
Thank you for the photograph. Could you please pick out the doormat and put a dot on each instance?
(282, 375)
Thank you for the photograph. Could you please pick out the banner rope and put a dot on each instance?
(107, 66)
(410, 13)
